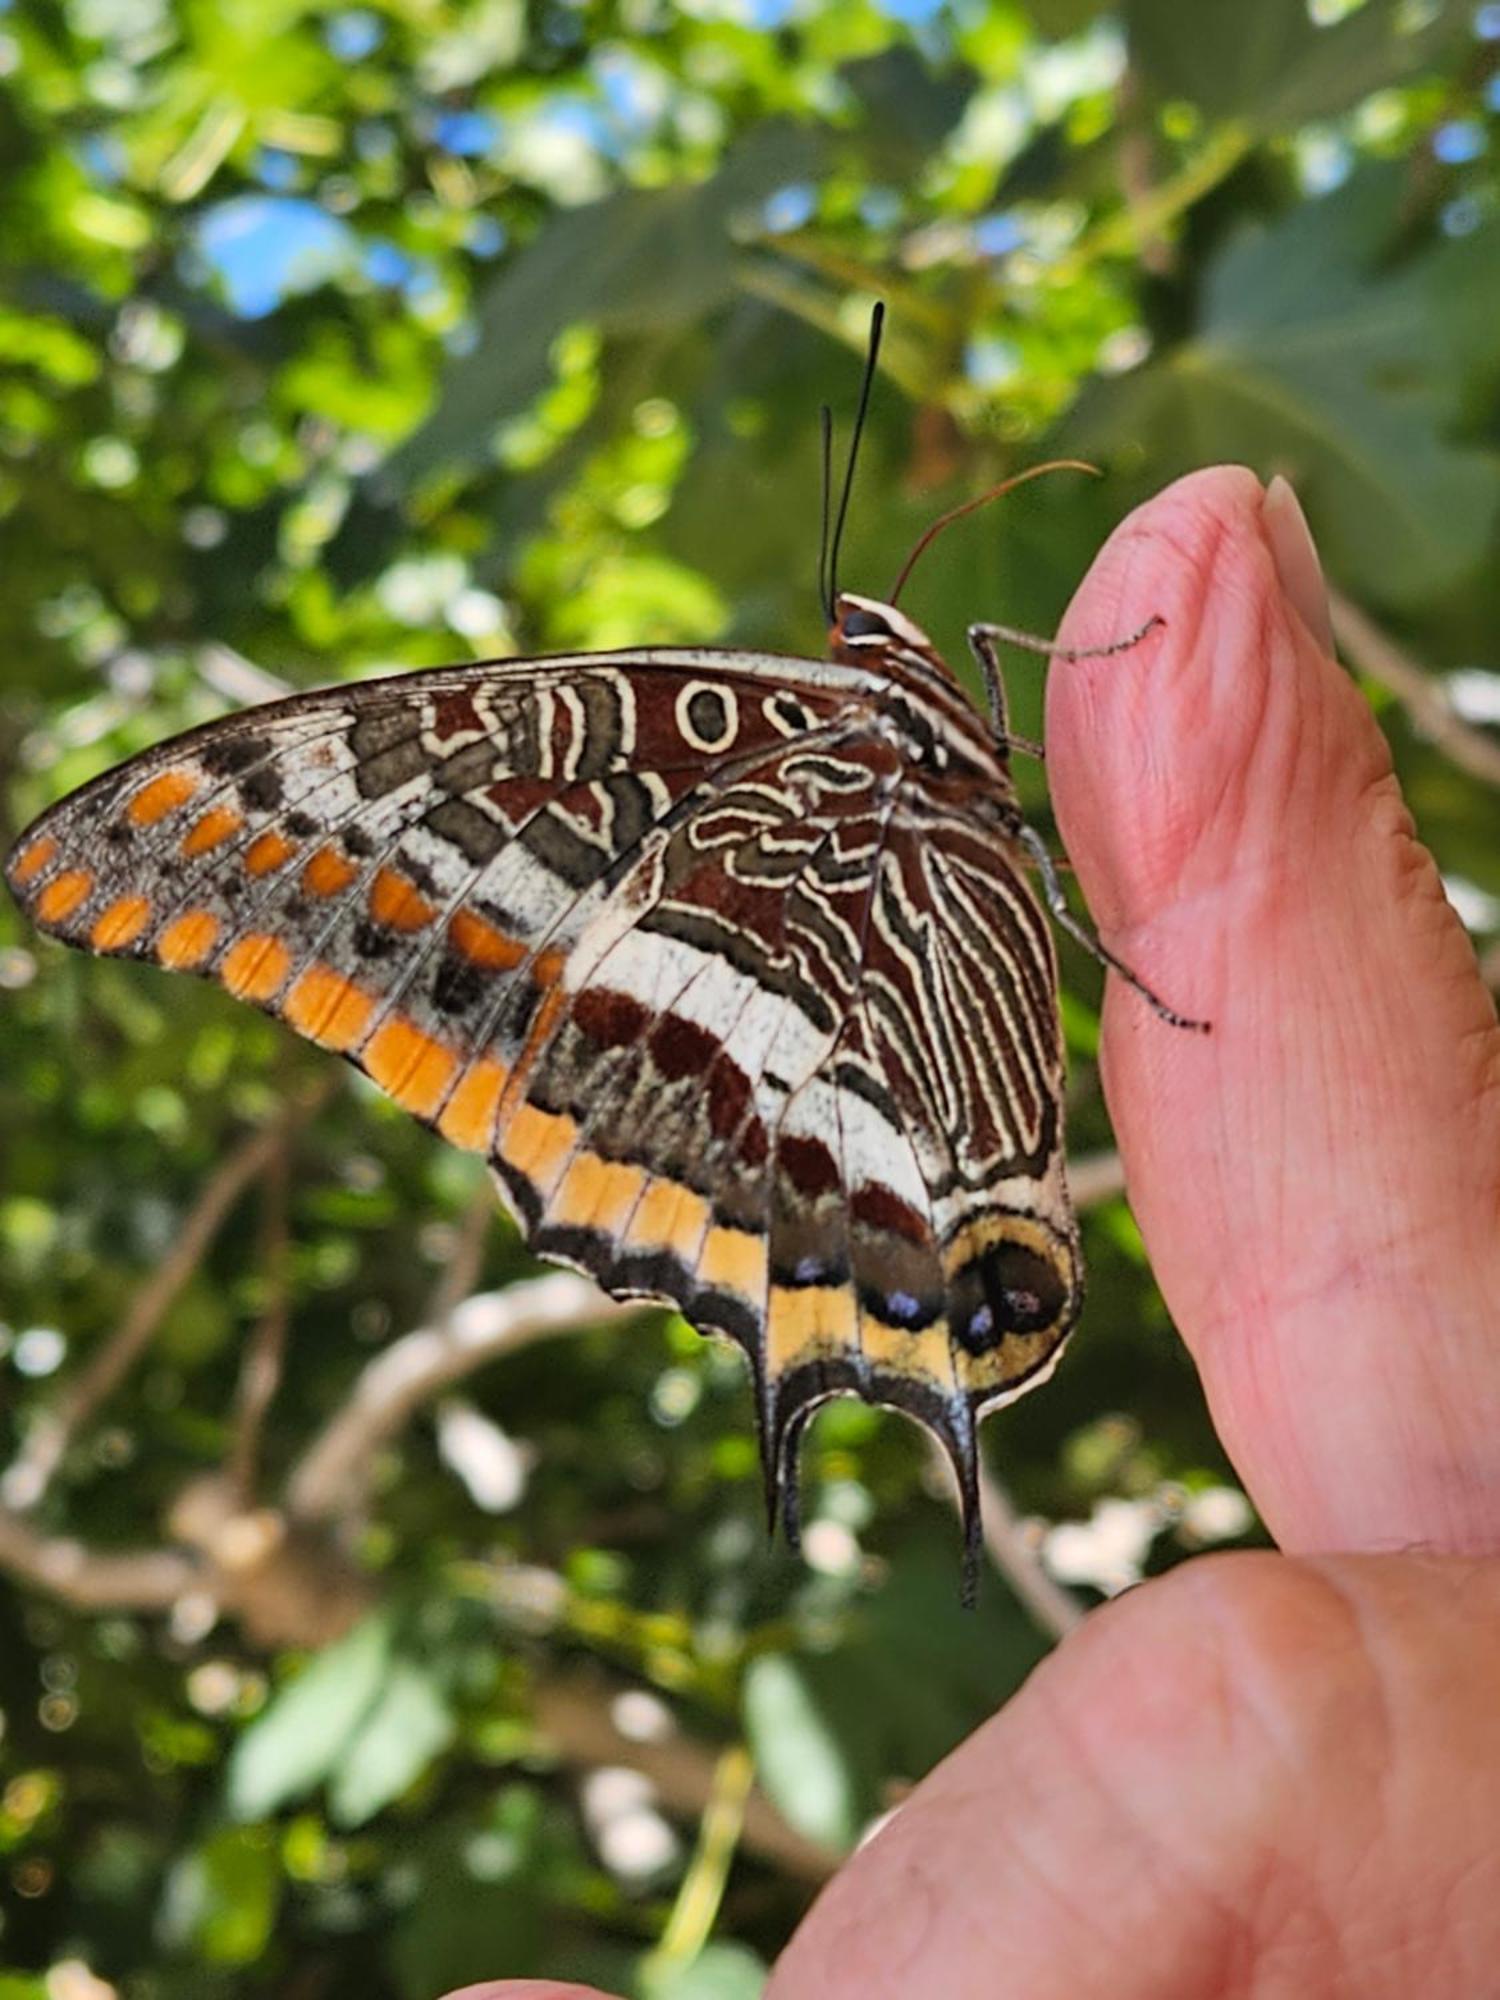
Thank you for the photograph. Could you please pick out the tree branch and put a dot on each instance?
(1096, 1178)
(1055, 1610)
(573, 1712)
(260, 1370)
(330, 1478)
(147, 1580)
(1375, 653)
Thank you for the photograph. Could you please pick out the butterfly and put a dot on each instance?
(727, 963)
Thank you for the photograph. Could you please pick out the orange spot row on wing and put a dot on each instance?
(670, 1217)
(188, 939)
(328, 1008)
(211, 830)
(412, 1067)
(398, 903)
(734, 1260)
(268, 851)
(328, 873)
(255, 965)
(63, 894)
(804, 1321)
(482, 944)
(28, 865)
(468, 1118)
(163, 795)
(546, 1018)
(121, 924)
(538, 1144)
(596, 1193)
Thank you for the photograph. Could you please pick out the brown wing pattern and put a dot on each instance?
(690, 948)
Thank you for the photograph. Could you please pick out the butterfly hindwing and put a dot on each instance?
(689, 948)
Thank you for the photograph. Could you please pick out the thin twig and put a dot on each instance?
(28, 1477)
(1135, 156)
(1053, 1608)
(1096, 1178)
(1374, 652)
(237, 679)
(696, 1909)
(461, 1271)
(330, 1478)
(1122, 233)
(265, 1351)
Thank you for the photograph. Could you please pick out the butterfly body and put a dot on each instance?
(727, 963)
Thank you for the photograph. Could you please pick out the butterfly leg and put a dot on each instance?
(1057, 903)
(984, 645)
(985, 642)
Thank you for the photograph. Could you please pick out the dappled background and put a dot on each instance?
(379, 1610)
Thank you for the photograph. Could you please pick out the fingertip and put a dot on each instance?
(526, 1989)
(1326, 1163)
(1297, 561)
(1199, 753)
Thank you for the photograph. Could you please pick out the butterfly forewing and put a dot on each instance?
(725, 962)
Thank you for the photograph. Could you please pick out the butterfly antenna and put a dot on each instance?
(930, 534)
(877, 321)
(824, 593)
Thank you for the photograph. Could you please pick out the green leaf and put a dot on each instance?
(828, 1730)
(921, 1672)
(398, 1738)
(1057, 18)
(799, 1757)
(719, 1972)
(908, 111)
(222, 1897)
(1269, 63)
(461, 1928)
(1313, 360)
(641, 261)
(302, 1733)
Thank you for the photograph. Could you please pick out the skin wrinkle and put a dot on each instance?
(1074, 1912)
(1407, 1787)
(1134, 690)
(1131, 1671)
(939, 1830)
(1079, 1767)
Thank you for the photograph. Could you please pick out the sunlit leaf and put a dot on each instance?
(222, 1897)
(799, 1757)
(1313, 361)
(1271, 64)
(409, 1724)
(719, 1972)
(307, 1726)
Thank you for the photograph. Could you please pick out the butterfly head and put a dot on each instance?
(867, 633)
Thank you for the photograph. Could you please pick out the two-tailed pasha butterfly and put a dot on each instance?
(727, 963)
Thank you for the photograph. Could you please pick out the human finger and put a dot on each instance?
(1253, 1776)
(1318, 1180)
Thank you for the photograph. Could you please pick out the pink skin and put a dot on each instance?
(1265, 1777)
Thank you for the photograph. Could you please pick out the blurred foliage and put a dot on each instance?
(337, 338)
